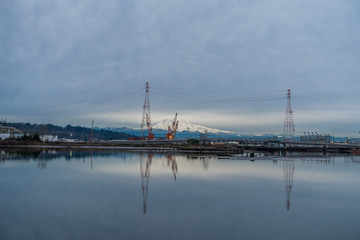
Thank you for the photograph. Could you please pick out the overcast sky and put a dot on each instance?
(221, 63)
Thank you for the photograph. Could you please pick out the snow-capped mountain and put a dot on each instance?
(188, 126)
(186, 130)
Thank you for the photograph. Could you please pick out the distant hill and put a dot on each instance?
(69, 132)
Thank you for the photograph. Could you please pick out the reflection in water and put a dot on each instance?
(91, 161)
(145, 176)
(145, 169)
(319, 160)
(288, 167)
(203, 159)
(352, 159)
(41, 163)
(43, 156)
(171, 162)
(226, 201)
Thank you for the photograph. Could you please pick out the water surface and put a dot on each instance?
(130, 195)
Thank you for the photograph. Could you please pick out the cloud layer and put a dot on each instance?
(70, 61)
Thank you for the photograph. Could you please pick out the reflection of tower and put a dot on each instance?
(91, 131)
(41, 163)
(289, 129)
(171, 161)
(205, 163)
(145, 176)
(288, 167)
(91, 162)
(146, 119)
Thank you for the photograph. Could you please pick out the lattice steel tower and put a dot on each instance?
(146, 120)
(289, 129)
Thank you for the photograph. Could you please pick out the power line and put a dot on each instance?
(91, 100)
(121, 108)
(186, 97)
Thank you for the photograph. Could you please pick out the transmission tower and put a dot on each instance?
(146, 119)
(288, 167)
(289, 129)
(145, 176)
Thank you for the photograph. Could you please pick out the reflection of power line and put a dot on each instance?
(145, 176)
(288, 167)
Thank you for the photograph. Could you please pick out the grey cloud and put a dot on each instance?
(67, 51)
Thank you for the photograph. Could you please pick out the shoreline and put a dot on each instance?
(134, 146)
(181, 147)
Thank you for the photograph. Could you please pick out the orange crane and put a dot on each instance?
(172, 129)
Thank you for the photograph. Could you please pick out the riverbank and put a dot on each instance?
(186, 146)
(135, 146)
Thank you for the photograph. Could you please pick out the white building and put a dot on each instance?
(4, 136)
(49, 138)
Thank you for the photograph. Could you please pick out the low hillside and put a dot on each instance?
(69, 132)
(6, 129)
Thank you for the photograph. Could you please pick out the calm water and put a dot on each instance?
(128, 195)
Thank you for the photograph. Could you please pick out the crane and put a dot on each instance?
(172, 129)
